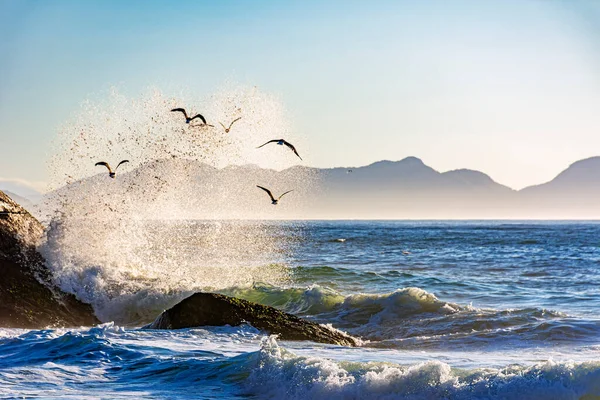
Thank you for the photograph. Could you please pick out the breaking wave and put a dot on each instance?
(278, 373)
(412, 318)
(222, 362)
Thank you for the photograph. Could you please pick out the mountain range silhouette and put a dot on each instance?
(405, 189)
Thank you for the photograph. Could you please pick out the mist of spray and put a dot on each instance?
(132, 245)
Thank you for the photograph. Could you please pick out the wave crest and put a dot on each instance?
(412, 319)
(279, 373)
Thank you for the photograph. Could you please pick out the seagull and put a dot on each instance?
(188, 119)
(274, 200)
(111, 173)
(282, 142)
(227, 129)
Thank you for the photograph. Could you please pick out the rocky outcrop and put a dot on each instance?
(28, 299)
(210, 309)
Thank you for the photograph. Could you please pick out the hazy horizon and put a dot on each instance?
(402, 190)
(26, 189)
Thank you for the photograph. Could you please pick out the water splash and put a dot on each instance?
(109, 242)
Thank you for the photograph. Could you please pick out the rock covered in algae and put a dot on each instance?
(28, 299)
(211, 309)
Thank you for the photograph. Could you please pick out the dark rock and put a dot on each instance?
(210, 309)
(28, 299)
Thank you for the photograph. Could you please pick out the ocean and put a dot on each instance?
(444, 309)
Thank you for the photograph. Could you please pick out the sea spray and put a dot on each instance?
(109, 241)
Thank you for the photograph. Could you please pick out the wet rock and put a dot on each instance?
(211, 309)
(28, 299)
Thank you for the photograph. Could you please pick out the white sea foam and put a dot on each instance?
(7, 333)
(278, 373)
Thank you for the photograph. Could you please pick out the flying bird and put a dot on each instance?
(282, 142)
(111, 173)
(232, 122)
(274, 200)
(188, 119)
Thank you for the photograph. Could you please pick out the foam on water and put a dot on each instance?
(109, 361)
(279, 373)
(107, 239)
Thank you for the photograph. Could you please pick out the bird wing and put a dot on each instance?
(268, 191)
(222, 125)
(180, 110)
(198, 116)
(122, 162)
(270, 141)
(285, 194)
(105, 164)
(291, 146)
(232, 122)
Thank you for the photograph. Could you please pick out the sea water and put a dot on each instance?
(445, 309)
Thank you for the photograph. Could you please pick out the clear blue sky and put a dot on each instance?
(511, 88)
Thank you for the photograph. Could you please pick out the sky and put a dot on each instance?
(510, 88)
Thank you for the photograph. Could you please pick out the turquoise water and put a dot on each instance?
(456, 310)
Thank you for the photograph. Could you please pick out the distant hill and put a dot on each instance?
(410, 174)
(405, 189)
(575, 192)
(409, 189)
(470, 179)
(581, 177)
